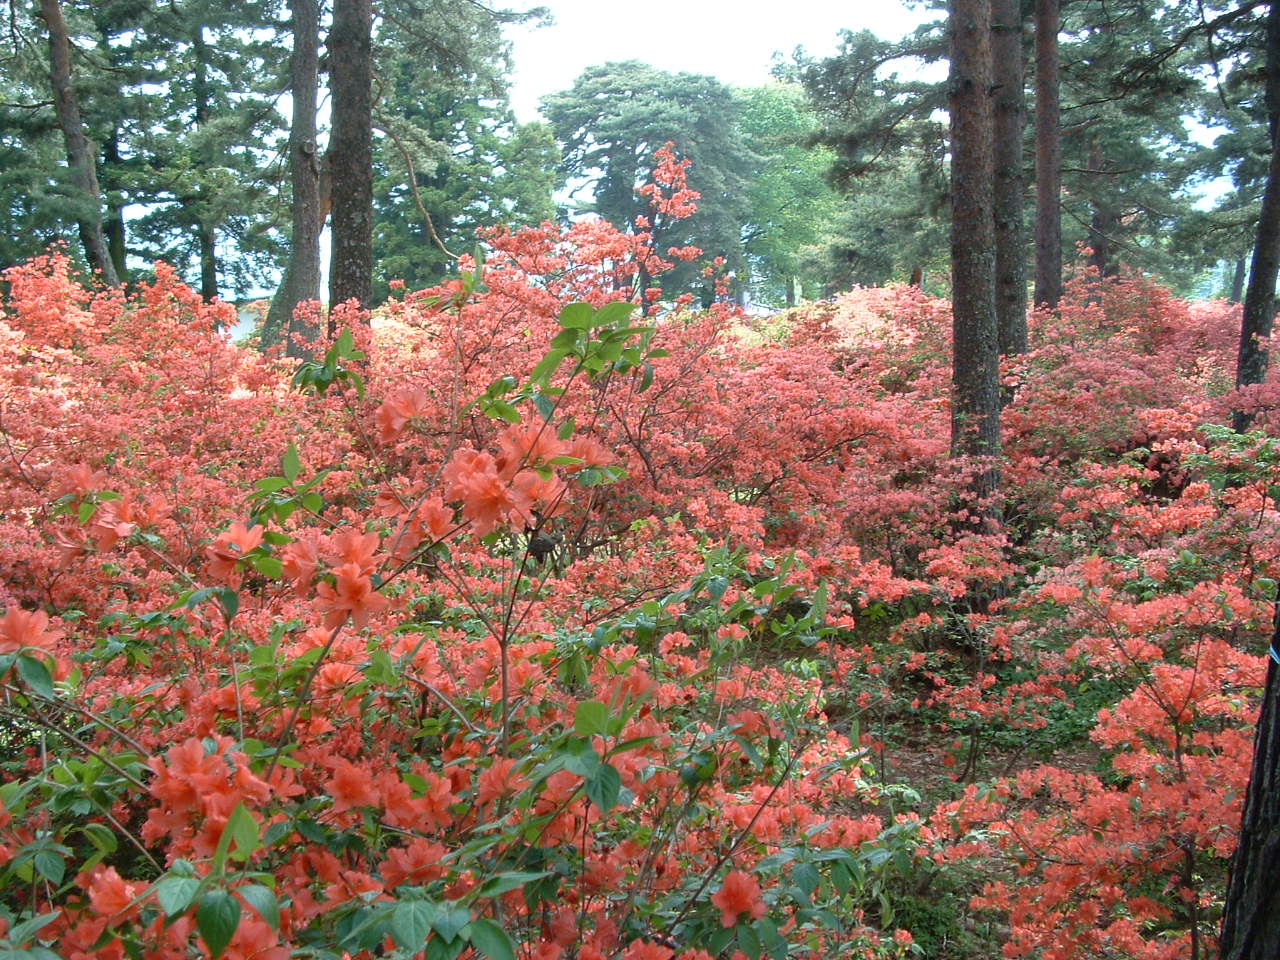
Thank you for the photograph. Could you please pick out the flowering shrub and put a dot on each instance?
(522, 622)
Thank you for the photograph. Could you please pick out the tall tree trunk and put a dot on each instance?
(206, 229)
(1009, 121)
(80, 152)
(975, 403)
(1260, 296)
(351, 153)
(1251, 914)
(1237, 282)
(114, 227)
(1048, 284)
(301, 281)
(1103, 223)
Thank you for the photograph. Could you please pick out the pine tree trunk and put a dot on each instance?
(975, 405)
(1009, 121)
(113, 227)
(206, 231)
(1237, 282)
(80, 152)
(1260, 296)
(1048, 281)
(351, 153)
(301, 281)
(1251, 914)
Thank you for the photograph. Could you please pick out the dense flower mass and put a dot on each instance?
(535, 628)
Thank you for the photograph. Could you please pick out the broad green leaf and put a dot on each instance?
(411, 923)
(217, 917)
(604, 787)
(576, 316)
(35, 674)
(262, 899)
(291, 463)
(51, 866)
(591, 717)
(450, 920)
(511, 880)
(614, 312)
(175, 894)
(492, 941)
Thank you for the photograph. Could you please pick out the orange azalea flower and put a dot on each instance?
(20, 629)
(225, 552)
(351, 786)
(398, 409)
(521, 446)
(739, 894)
(488, 501)
(357, 548)
(299, 560)
(352, 594)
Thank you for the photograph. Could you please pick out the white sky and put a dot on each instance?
(733, 40)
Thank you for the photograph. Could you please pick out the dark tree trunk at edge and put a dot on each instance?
(975, 404)
(351, 154)
(1048, 279)
(1260, 296)
(80, 152)
(1009, 120)
(301, 281)
(1251, 914)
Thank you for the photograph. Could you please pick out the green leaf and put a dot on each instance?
(576, 316)
(35, 674)
(411, 923)
(591, 717)
(230, 601)
(22, 932)
(565, 341)
(551, 362)
(50, 866)
(604, 786)
(217, 918)
(492, 941)
(175, 894)
(748, 942)
(291, 463)
(271, 484)
(614, 312)
(511, 880)
(450, 920)
(262, 899)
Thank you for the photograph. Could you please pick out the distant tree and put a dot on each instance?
(975, 404)
(451, 157)
(792, 208)
(889, 155)
(614, 119)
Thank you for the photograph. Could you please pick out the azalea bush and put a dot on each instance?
(532, 617)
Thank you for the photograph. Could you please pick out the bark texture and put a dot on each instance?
(1009, 121)
(301, 281)
(1048, 271)
(351, 153)
(1260, 295)
(80, 151)
(975, 404)
(1251, 915)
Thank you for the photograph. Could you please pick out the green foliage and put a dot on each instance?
(613, 120)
